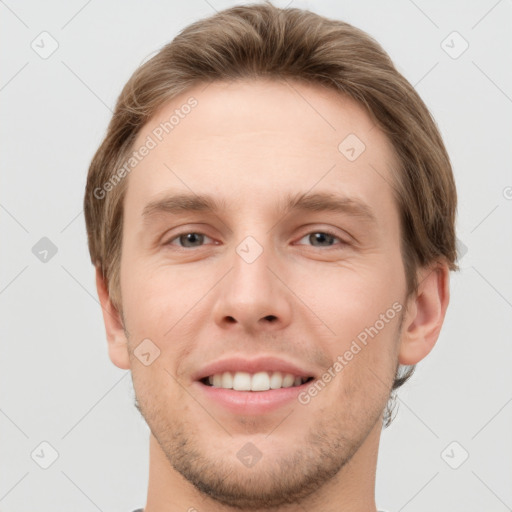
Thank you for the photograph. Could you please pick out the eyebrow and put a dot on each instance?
(312, 202)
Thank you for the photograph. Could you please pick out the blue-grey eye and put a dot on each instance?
(323, 239)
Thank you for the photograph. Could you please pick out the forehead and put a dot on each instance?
(251, 142)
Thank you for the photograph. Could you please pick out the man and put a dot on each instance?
(271, 217)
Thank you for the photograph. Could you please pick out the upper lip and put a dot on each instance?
(255, 365)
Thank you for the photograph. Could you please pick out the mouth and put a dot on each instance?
(245, 386)
(255, 382)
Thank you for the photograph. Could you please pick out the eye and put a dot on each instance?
(192, 239)
(188, 240)
(324, 239)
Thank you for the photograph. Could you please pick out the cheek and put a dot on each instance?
(159, 301)
(348, 300)
(363, 308)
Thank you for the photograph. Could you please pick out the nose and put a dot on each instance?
(252, 296)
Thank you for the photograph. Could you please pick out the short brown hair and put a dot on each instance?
(262, 40)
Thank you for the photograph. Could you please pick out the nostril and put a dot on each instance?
(271, 318)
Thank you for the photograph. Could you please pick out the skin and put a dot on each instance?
(249, 144)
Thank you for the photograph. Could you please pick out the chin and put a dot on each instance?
(264, 473)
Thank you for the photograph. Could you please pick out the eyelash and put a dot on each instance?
(323, 232)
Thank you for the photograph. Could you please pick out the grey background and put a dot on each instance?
(57, 383)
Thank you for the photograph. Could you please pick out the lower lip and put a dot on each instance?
(251, 402)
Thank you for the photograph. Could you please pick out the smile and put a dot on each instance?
(260, 381)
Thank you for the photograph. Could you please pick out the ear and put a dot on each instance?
(425, 314)
(117, 342)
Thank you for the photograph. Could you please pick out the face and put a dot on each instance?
(295, 278)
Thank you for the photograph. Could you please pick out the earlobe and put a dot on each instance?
(117, 342)
(425, 314)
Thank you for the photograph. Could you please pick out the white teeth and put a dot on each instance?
(288, 380)
(227, 380)
(260, 381)
(276, 380)
(242, 381)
